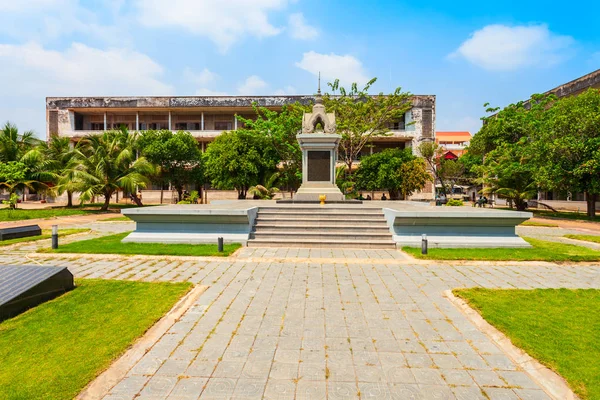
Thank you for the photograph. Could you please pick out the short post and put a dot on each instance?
(220, 244)
(55, 236)
(424, 244)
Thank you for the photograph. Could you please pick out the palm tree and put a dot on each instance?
(14, 145)
(105, 163)
(51, 160)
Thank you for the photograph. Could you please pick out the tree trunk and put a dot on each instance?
(394, 194)
(591, 204)
(106, 202)
(136, 200)
(69, 198)
(162, 192)
(179, 193)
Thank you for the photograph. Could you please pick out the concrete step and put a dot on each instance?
(320, 210)
(316, 215)
(350, 223)
(342, 228)
(341, 235)
(326, 244)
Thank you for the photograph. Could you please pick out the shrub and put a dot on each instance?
(454, 203)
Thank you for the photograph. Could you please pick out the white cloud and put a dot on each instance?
(78, 71)
(30, 73)
(299, 29)
(501, 47)
(347, 68)
(45, 20)
(223, 22)
(286, 90)
(253, 85)
(202, 78)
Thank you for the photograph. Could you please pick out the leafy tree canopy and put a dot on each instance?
(395, 170)
(280, 130)
(360, 116)
(238, 160)
(176, 154)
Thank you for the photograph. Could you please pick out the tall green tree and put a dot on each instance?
(510, 172)
(360, 117)
(106, 163)
(395, 170)
(567, 148)
(239, 160)
(14, 145)
(280, 128)
(177, 156)
(51, 161)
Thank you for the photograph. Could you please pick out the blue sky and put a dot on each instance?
(466, 53)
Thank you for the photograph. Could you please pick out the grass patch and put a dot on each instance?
(117, 219)
(587, 238)
(55, 349)
(559, 327)
(20, 214)
(112, 245)
(534, 223)
(570, 215)
(46, 234)
(541, 251)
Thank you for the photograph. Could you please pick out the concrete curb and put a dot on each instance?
(100, 386)
(130, 257)
(552, 383)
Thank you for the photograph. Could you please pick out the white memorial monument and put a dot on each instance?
(319, 144)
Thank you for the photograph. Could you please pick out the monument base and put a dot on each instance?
(311, 192)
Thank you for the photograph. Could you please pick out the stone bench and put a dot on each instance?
(17, 232)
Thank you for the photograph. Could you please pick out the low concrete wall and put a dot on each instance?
(190, 224)
(456, 228)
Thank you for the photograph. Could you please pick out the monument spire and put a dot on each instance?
(318, 99)
(319, 89)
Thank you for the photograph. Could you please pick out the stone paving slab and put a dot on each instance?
(279, 328)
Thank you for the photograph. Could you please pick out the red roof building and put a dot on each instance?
(453, 142)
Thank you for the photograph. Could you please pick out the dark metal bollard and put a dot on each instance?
(424, 244)
(55, 236)
(220, 244)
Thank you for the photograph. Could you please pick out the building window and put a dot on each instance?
(181, 126)
(97, 126)
(222, 125)
(398, 125)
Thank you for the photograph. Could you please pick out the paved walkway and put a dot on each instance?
(281, 328)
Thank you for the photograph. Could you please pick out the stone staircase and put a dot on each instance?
(321, 227)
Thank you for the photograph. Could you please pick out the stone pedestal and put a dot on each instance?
(319, 155)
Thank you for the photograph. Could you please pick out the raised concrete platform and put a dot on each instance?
(372, 224)
(451, 227)
(191, 223)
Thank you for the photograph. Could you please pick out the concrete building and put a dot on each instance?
(206, 116)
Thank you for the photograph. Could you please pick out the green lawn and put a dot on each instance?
(541, 251)
(112, 245)
(21, 214)
(55, 349)
(117, 219)
(534, 223)
(563, 215)
(558, 327)
(46, 234)
(588, 238)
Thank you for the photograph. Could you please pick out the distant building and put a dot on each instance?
(453, 143)
(206, 117)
